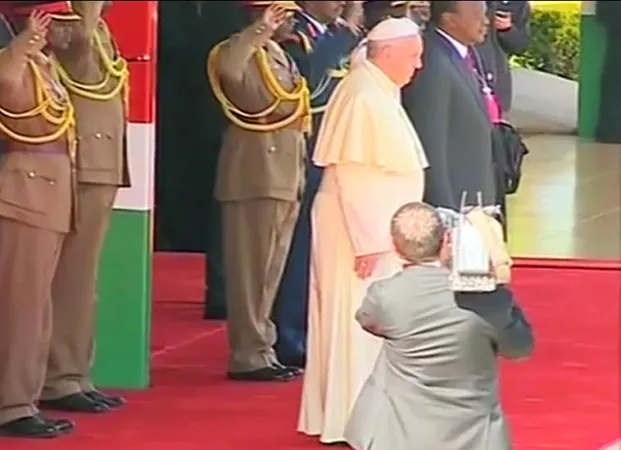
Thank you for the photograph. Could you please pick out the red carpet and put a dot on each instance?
(566, 397)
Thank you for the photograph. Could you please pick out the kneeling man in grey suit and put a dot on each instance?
(435, 383)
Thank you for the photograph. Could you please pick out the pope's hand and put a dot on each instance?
(365, 265)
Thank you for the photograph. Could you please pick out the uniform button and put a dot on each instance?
(272, 149)
(31, 174)
(98, 136)
(108, 136)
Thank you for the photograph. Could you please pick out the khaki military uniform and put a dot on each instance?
(37, 188)
(259, 184)
(102, 168)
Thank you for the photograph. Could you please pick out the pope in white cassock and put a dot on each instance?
(374, 164)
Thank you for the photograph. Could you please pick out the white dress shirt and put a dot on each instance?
(461, 48)
(322, 28)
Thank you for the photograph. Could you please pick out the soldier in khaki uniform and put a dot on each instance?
(95, 76)
(260, 179)
(37, 199)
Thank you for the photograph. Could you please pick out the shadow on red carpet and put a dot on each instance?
(565, 397)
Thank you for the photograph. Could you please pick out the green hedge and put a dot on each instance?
(555, 46)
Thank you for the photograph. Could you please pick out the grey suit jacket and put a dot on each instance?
(435, 383)
(448, 110)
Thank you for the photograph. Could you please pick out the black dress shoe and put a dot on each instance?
(64, 426)
(78, 403)
(294, 371)
(32, 427)
(293, 361)
(264, 374)
(113, 401)
(291, 357)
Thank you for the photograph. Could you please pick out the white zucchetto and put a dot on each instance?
(393, 28)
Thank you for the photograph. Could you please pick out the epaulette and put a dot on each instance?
(300, 38)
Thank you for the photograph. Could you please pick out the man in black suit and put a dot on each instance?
(446, 102)
(509, 34)
(447, 105)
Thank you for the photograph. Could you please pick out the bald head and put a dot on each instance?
(393, 28)
(418, 232)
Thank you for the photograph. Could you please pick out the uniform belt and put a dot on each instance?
(272, 118)
(58, 147)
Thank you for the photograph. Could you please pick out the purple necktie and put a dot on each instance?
(469, 60)
(493, 109)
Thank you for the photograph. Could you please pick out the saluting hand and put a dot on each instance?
(36, 30)
(274, 16)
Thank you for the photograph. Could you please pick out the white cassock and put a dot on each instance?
(374, 164)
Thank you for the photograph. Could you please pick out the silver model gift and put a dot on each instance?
(479, 258)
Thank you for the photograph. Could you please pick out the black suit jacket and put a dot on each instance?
(446, 106)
